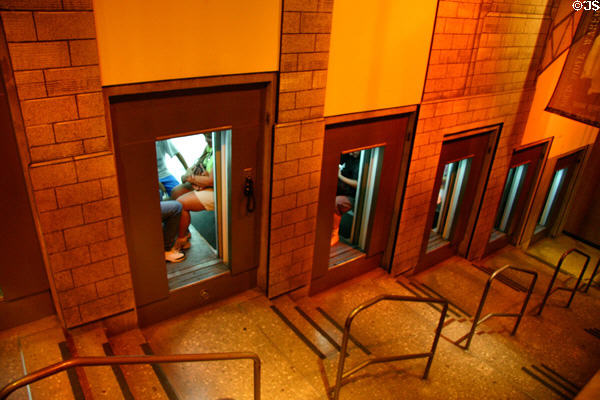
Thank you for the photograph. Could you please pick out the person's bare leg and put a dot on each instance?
(335, 236)
(342, 206)
(180, 190)
(190, 202)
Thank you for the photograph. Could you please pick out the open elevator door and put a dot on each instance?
(369, 155)
(235, 115)
(524, 170)
(461, 178)
(558, 194)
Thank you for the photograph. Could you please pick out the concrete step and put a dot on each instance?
(11, 367)
(39, 350)
(99, 382)
(332, 327)
(141, 379)
(285, 307)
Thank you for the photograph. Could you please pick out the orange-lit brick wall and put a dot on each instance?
(298, 145)
(481, 72)
(53, 53)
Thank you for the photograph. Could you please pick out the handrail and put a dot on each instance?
(120, 360)
(556, 271)
(477, 320)
(375, 360)
(592, 277)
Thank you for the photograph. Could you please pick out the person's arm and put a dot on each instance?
(202, 181)
(350, 182)
(182, 160)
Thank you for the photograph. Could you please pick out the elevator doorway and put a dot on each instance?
(524, 170)
(460, 180)
(233, 120)
(360, 175)
(556, 198)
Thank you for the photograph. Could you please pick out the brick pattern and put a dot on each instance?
(54, 56)
(296, 177)
(481, 72)
(305, 32)
(484, 46)
(298, 142)
(435, 120)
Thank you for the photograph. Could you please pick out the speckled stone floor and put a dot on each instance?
(496, 366)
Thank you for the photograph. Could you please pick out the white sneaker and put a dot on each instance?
(174, 256)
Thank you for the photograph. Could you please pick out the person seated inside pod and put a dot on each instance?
(195, 193)
(170, 211)
(346, 190)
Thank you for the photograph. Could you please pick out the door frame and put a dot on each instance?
(221, 286)
(464, 245)
(364, 264)
(516, 233)
(529, 236)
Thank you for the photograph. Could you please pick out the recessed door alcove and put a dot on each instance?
(140, 115)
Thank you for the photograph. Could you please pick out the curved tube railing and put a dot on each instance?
(591, 281)
(376, 360)
(123, 360)
(557, 270)
(478, 320)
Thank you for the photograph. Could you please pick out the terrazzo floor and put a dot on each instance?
(496, 366)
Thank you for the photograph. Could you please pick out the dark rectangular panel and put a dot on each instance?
(22, 272)
(138, 184)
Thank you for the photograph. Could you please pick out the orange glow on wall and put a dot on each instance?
(150, 40)
(378, 54)
(568, 134)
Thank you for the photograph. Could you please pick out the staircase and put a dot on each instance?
(49, 344)
(298, 340)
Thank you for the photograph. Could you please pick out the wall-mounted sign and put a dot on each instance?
(577, 94)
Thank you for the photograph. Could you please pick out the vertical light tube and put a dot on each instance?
(221, 151)
(442, 196)
(557, 182)
(513, 190)
(457, 190)
(371, 186)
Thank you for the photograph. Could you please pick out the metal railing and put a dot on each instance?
(341, 375)
(124, 360)
(591, 281)
(478, 320)
(557, 270)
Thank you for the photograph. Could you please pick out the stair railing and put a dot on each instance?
(477, 320)
(591, 280)
(341, 375)
(572, 290)
(125, 360)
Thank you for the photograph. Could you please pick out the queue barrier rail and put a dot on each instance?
(573, 290)
(341, 375)
(477, 320)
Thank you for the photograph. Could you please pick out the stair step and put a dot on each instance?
(142, 380)
(101, 381)
(11, 367)
(39, 350)
(320, 345)
(332, 327)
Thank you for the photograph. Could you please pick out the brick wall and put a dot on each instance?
(481, 72)
(298, 144)
(54, 57)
